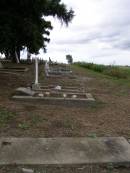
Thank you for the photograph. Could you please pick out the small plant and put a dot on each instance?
(23, 126)
(5, 116)
(68, 124)
(110, 167)
(36, 119)
(92, 135)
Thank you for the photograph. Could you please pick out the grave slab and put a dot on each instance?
(53, 151)
(14, 69)
(26, 91)
(74, 101)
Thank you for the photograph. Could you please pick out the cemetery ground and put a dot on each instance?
(108, 116)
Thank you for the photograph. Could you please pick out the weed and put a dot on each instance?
(92, 135)
(68, 124)
(36, 119)
(5, 116)
(110, 167)
(23, 126)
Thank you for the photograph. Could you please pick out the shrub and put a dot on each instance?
(107, 70)
(116, 72)
(98, 68)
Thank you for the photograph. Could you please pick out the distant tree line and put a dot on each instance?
(23, 25)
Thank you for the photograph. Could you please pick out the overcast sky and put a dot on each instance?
(99, 33)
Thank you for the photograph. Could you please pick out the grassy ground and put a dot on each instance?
(118, 72)
(109, 116)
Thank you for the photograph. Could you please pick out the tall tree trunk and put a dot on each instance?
(1, 66)
(28, 56)
(7, 54)
(14, 56)
(18, 53)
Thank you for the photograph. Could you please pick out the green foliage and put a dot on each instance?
(36, 119)
(5, 116)
(69, 59)
(110, 167)
(23, 24)
(113, 71)
(23, 125)
(95, 67)
(92, 135)
(116, 72)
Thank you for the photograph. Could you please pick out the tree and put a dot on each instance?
(1, 66)
(23, 24)
(69, 59)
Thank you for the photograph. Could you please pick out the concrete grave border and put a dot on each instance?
(64, 151)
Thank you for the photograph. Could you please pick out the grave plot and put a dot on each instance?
(12, 69)
(59, 70)
(53, 94)
(64, 151)
(58, 88)
(56, 70)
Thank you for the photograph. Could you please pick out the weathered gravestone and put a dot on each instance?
(36, 86)
(59, 151)
(47, 68)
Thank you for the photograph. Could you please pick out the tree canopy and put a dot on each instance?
(23, 24)
(69, 58)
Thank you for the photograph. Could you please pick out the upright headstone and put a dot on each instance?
(50, 61)
(36, 70)
(36, 86)
(47, 68)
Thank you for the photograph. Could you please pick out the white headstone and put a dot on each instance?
(36, 71)
(47, 68)
(58, 87)
(26, 91)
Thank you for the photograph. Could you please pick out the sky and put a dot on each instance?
(99, 33)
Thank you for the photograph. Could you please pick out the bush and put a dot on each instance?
(98, 68)
(107, 70)
(116, 72)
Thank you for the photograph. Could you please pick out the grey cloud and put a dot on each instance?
(86, 38)
(123, 45)
(113, 30)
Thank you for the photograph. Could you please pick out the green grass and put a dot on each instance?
(5, 116)
(117, 72)
(122, 84)
(23, 125)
